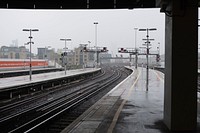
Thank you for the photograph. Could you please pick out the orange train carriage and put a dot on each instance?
(19, 63)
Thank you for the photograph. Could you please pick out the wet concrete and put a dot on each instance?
(143, 110)
(128, 108)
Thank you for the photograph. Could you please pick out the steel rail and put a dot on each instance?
(29, 110)
(45, 117)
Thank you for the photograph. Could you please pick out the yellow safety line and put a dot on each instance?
(156, 73)
(114, 121)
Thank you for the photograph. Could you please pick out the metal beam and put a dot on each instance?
(77, 4)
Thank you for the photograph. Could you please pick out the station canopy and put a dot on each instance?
(76, 4)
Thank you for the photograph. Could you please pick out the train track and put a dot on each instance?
(12, 112)
(48, 107)
(66, 119)
(12, 104)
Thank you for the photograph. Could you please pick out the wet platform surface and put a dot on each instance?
(128, 108)
(21, 80)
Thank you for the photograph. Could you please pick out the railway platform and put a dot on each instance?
(22, 80)
(14, 73)
(127, 108)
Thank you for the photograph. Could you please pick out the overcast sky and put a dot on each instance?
(115, 28)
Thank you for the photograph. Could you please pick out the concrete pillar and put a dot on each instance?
(181, 50)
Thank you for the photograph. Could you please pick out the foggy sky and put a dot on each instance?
(115, 28)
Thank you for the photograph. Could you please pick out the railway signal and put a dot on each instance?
(122, 50)
(63, 58)
(132, 51)
(97, 50)
(64, 54)
(93, 49)
(157, 57)
(127, 50)
(104, 49)
(84, 49)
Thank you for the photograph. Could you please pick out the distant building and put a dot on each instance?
(41, 53)
(14, 52)
(70, 58)
(76, 57)
(45, 53)
(83, 58)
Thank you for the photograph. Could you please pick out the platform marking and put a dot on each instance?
(114, 121)
(158, 76)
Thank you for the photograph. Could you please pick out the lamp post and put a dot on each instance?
(136, 54)
(96, 23)
(148, 42)
(30, 37)
(65, 51)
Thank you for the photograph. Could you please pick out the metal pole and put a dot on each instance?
(30, 58)
(147, 49)
(136, 54)
(96, 34)
(96, 42)
(147, 76)
(65, 58)
(30, 72)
